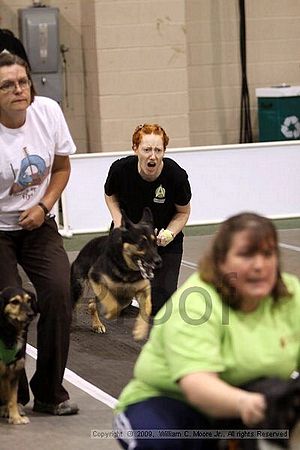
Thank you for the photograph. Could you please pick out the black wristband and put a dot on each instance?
(44, 208)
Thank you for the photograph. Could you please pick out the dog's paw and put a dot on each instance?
(18, 420)
(5, 414)
(99, 328)
(140, 330)
(111, 315)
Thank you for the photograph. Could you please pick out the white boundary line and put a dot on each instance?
(290, 247)
(189, 264)
(80, 383)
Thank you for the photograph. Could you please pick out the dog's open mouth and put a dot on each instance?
(146, 269)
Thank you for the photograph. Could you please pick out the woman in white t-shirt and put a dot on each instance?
(35, 145)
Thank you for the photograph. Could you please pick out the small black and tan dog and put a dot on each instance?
(17, 309)
(118, 268)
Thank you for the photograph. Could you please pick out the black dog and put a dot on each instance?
(283, 410)
(17, 309)
(283, 404)
(118, 267)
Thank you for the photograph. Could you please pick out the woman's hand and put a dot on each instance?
(252, 407)
(32, 218)
(164, 237)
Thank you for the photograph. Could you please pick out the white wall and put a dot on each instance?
(225, 180)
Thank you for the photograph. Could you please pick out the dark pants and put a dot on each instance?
(161, 413)
(42, 256)
(165, 280)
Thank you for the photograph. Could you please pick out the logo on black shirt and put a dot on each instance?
(160, 195)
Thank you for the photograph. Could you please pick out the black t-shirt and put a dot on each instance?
(134, 193)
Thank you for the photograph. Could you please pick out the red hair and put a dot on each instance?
(147, 128)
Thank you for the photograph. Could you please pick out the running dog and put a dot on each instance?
(119, 267)
(17, 309)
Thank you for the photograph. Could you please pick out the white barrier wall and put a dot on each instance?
(225, 180)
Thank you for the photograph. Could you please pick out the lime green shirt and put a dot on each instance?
(203, 334)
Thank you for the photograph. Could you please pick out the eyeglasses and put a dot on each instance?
(11, 86)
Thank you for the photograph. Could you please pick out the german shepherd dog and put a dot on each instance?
(118, 268)
(17, 309)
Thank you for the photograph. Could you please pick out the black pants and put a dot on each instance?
(165, 280)
(42, 256)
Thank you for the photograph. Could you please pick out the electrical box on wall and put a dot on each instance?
(40, 36)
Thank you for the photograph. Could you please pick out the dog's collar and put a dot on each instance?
(7, 355)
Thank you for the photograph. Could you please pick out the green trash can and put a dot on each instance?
(278, 113)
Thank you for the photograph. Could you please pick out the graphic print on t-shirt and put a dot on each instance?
(160, 195)
(32, 172)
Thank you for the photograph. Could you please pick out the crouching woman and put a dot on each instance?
(235, 320)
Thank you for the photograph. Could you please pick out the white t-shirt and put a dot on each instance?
(26, 158)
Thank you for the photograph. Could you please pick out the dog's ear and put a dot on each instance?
(5, 295)
(126, 223)
(117, 234)
(147, 216)
(33, 302)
